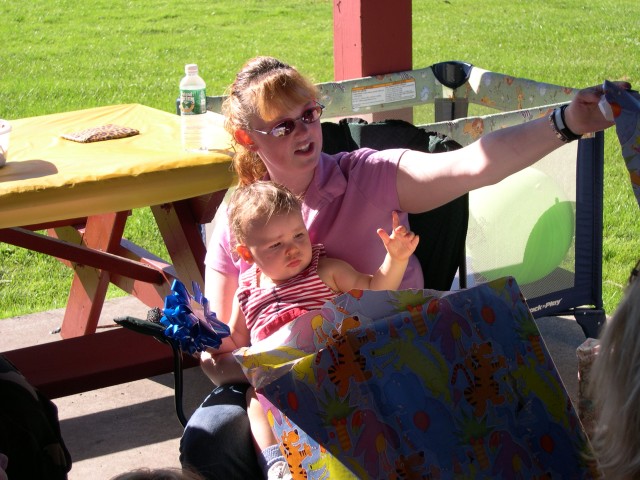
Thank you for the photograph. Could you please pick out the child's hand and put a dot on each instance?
(402, 242)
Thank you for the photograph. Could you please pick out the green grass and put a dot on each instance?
(60, 55)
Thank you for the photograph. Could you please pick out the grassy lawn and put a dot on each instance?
(60, 55)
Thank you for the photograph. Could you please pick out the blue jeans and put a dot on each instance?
(217, 440)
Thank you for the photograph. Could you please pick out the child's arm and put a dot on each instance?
(400, 245)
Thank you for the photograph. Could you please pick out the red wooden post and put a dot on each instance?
(372, 37)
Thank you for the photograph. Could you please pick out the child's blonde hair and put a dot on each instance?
(257, 202)
(616, 390)
(265, 86)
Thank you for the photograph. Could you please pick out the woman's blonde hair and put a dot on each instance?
(257, 202)
(265, 87)
(616, 390)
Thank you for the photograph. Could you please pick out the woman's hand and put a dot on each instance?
(583, 114)
(220, 290)
(222, 369)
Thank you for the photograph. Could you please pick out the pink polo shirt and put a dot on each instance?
(351, 196)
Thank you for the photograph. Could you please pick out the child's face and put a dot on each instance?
(280, 246)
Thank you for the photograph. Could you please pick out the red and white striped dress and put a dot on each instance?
(268, 309)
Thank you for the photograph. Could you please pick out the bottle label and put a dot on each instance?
(193, 102)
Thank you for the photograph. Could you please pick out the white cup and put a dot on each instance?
(5, 130)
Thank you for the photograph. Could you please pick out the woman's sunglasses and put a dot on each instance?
(285, 127)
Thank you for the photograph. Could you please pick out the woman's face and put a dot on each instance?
(280, 246)
(290, 159)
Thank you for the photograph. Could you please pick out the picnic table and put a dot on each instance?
(72, 200)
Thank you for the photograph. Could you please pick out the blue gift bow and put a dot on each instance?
(192, 333)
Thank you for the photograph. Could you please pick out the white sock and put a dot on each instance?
(268, 457)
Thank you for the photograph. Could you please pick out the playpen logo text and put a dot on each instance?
(550, 303)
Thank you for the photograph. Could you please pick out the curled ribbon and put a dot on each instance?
(189, 321)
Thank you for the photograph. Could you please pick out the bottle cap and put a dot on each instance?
(191, 68)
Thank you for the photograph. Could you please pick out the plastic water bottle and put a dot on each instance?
(193, 107)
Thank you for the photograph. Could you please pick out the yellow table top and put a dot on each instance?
(47, 178)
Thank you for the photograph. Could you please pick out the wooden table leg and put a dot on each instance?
(89, 286)
(151, 294)
(183, 238)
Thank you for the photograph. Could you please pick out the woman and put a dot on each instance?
(272, 113)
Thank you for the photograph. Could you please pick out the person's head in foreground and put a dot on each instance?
(616, 389)
(158, 474)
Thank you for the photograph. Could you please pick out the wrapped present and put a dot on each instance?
(623, 107)
(419, 384)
